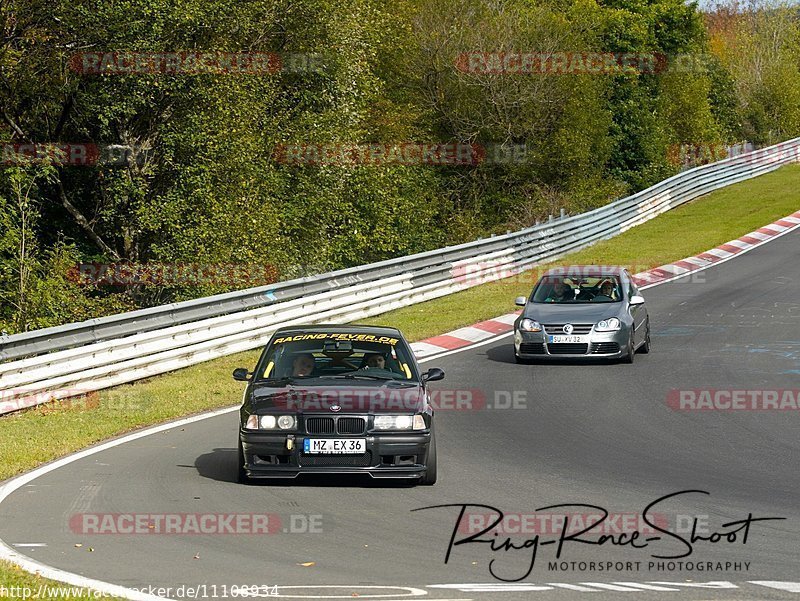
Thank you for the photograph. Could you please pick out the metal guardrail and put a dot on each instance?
(64, 361)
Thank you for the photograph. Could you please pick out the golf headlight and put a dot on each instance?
(529, 325)
(608, 325)
(394, 422)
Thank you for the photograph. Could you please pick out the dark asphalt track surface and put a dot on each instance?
(599, 434)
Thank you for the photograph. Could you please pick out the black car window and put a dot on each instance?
(578, 289)
(317, 355)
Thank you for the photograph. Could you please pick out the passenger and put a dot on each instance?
(376, 361)
(607, 291)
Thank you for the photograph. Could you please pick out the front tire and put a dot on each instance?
(631, 350)
(429, 479)
(645, 348)
(241, 474)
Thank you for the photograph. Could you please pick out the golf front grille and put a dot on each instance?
(557, 329)
(567, 349)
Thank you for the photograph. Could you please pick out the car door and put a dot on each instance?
(638, 312)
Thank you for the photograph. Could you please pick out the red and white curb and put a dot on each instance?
(492, 328)
(723, 252)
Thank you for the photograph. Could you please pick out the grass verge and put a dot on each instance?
(42, 434)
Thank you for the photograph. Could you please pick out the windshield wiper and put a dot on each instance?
(354, 376)
(282, 380)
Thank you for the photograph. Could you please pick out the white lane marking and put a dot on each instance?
(791, 218)
(29, 565)
(647, 587)
(715, 584)
(352, 591)
(595, 587)
(792, 587)
(494, 587)
(574, 587)
(612, 587)
(759, 235)
(28, 544)
(34, 567)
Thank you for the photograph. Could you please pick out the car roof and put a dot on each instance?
(341, 329)
(584, 270)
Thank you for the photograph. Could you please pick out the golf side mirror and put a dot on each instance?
(637, 300)
(520, 301)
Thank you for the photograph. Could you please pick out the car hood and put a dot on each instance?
(352, 397)
(571, 313)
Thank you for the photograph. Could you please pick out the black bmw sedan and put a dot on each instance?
(337, 399)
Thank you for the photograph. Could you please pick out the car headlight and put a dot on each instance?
(608, 325)
(269, 422)
(395, 422)
(529, 325)
(286, 422)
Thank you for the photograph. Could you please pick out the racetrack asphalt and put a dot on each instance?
(598, 434)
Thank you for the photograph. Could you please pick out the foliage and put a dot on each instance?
(204, 183)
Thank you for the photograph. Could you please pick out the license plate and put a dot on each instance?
(335, 446)
(566, 339)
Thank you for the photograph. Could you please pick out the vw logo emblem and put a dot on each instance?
(567, 328)
(336, 408)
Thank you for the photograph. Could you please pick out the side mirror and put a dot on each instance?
(520, 301)
(433, 374)
(636, 300)
(241, 374)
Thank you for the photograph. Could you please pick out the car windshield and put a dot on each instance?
(566, 289)
(337, 355)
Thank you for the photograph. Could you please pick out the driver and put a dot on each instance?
(303, 365)
(560, 292)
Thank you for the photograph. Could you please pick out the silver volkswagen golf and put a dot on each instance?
(582, 312)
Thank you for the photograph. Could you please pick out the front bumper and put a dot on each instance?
(599, 345)
(388, 455)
